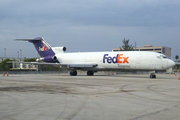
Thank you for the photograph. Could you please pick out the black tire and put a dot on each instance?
(73, 73)
(150, 76)
(154, 76)
(90, 73)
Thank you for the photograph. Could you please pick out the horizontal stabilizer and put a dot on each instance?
(28, 39)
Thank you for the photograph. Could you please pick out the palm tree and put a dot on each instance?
(176, 57)
(126, 46)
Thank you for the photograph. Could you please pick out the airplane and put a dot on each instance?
(99, 61)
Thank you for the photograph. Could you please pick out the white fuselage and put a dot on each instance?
(131, 60)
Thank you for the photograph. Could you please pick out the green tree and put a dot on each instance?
(126, 46)
(176, 57)
(5, 65)
(30, 60)
(48, 68)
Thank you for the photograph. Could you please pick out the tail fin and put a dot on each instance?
(43, 48)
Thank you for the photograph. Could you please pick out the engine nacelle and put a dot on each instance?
(47, 59)
(59, 49)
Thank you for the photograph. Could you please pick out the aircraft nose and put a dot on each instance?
(171, 63)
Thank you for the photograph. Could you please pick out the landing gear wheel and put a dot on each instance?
(152, 75)
(90, 73)
(73, 73)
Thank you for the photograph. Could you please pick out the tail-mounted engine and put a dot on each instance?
(58, 50)
(47, 59)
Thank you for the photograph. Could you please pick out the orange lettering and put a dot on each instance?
(125, 59)
(44, 48)
(119, 58)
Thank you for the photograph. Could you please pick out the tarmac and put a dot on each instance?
(98, 97)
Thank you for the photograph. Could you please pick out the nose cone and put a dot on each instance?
(171, 63)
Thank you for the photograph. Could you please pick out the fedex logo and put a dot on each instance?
(43, 48)
(116, 59)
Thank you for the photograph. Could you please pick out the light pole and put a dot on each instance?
(4, 52)
(20, 55)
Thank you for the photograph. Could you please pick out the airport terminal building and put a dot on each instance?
(159, 49)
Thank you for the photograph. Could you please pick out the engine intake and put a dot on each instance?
(64, 49)
(54, 58)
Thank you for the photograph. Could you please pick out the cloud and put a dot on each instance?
(78, 12)
(88, 25)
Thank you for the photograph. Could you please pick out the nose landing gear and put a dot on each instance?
(152, 75)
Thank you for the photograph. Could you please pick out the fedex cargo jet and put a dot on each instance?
(99, 61)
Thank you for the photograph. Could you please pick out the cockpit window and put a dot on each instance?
(161, 56)
(164, 56)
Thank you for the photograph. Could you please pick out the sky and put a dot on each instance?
(88, 25)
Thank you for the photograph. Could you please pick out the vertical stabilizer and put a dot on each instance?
(42, 47)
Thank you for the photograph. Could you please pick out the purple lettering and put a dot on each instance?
(105, 57)
(114, 59)
(109, 60)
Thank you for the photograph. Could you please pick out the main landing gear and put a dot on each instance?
(74, 73)
(90, 73)
(152, 75)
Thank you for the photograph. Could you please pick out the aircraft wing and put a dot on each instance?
(84, 65)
